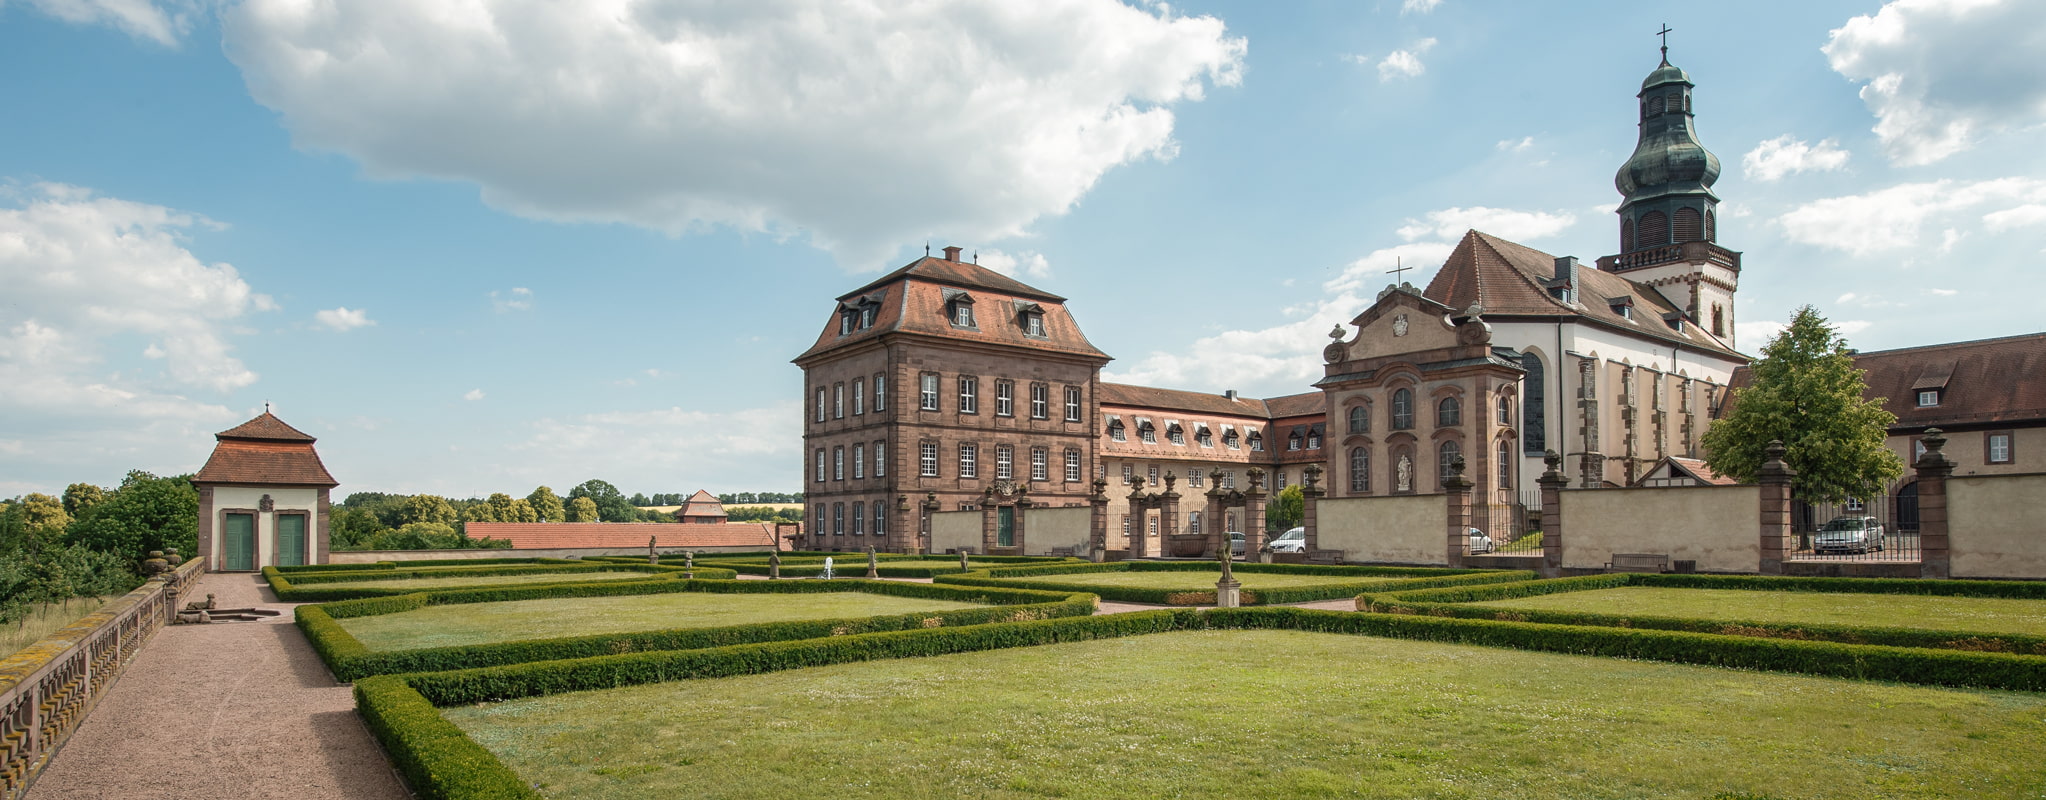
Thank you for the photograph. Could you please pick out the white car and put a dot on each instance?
(1292, 541)
(1480, 542)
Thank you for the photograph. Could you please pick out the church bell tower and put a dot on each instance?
(1669, 215)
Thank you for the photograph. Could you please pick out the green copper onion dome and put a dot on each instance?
(1668, 158)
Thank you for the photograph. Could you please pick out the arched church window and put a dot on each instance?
(1360, 470)
(1449, 413)
(1690, 225)
(1447, 455)
(1505, 463)
(1654, 230)
(1711, 227)
(1506, 408)
(1360, 419)
(1402, 409)
(1718, 320)
(1533, 430)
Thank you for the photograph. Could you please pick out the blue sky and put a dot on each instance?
(484, 246)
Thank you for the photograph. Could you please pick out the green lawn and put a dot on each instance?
(473, 623)
(1190, 581)
(458, 581)
(1269, 714)
(1977, 614)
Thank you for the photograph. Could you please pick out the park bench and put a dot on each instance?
(1638, 562)
(1062, 552)
(1324, 556)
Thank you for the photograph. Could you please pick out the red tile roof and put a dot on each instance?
(913, 300)
(1984, 382)
(701, 504)
(1298, 405)
(264, 451)
(1122, 394)
(570, 535)
(1505, 278)
(1698, 469)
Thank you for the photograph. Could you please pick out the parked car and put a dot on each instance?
(1236, 543)
(1480, 542)
(1849, 535)
(1292, 541)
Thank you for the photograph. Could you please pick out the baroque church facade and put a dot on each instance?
(945, 385)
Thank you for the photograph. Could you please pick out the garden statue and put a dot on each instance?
(774, 565)
(873, 565)
(1228, 590)
(651, 556)
(962, 560)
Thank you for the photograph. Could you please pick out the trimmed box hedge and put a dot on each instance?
(1451, 602)
(289, 591)
(441, 762)
(350, 660)
(1361, 579)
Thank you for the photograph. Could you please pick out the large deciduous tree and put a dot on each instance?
(1288, 508)
(428, 508)
(1807, 393)
(582, 509)
(146, 513)
(547, 505)
(611, 503)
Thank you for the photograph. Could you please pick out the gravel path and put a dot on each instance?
(229, 710)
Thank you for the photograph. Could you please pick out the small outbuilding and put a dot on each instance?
(702, 508)
(263, 498)
(1678, 471)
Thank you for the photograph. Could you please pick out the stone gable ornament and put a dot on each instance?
(1399, 325)
(1335, 351)
(266, 504)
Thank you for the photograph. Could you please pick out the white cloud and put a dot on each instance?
(1419, 6)
(1405, 63)
(665, 447)
(343, 318)
(1026, 264)
(86, 273)
(1515, 146)
(863, 126)
(473, 395)
(1943, 292)
(2025, 215)
(1940, 73)
(519, 298)
(161, 21)
(1756, 334)
(1733, 210)
(1894, 217)
(1785, 155)
(1852, 326)
(1450, 223)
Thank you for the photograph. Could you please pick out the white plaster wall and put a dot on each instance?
(1720, 527)
(1412, 529)
(251, 497)
(956, 529)
(1046, 528)
(1994, 528)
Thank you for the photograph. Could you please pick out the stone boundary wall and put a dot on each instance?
(953, 530)
(48, 689)
(1995, 527)
(1056, 527)
(1716, 526)
(1408, 529)
(373, 556)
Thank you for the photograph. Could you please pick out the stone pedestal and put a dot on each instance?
(1552, 483)
(1228, 593)
(1934, 468)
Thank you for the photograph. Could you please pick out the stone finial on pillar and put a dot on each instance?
(1097, 533)
(1775, 477)
(1935, 559)
(1310, 500)
(1457, 490)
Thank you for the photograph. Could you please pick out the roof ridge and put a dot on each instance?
(1493, 242)
(1943, 345)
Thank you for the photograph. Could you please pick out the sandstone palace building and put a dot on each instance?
(945, 385)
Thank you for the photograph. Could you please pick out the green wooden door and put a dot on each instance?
(290, 540)
(1005, 526)
(238, 543)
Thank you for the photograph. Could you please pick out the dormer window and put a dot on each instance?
(846, 322)
(1293, 442)
(1174, 432)
(1257, 441)
(1205, 437)
(866, 317)
(1314, 438)
(959, 308)
(1146, 431)
(1229, 438)
(1623, 306)
(1030, 317)
(1928, 398)
(1116, 431)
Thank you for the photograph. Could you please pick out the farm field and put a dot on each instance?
(478, 623)
(1228, 714)
(1931, 612)
(462, 581)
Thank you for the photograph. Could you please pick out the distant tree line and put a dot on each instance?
(728, 498)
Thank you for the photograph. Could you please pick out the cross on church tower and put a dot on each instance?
(1664, 33)
(1399, 271)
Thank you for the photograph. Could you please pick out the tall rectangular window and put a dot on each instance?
(880, 518)
(1152, 474)
(969, 460)
(838, 519)
(859, 397)
(1040, 401)
(820, 465)
(859, 518)
(880, 459)
(1129, 473)
(1072, 466)
(1005, 398)
(927, 398)
(838, 463)
(969, 394)
(820, 404)
(1040, 464)
(1193, 478)
(859, 461)
(817, 521)
(838, 401)
(880, 393)
(1999, 448)
(1005, 462)
(927, 459)
(1193, 520)
(1228, 479)
(1072, 404)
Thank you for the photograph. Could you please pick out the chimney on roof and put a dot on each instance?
(951, 254)
(1229, 393)
(1564, 285)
